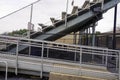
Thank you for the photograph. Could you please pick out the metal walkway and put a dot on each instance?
(97, 67)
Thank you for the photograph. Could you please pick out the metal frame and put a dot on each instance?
(6, 71)
(58, 46)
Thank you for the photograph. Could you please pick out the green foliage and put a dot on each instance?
(18, 32)
(98, 32)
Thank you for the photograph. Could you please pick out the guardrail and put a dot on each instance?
(6, 70)
(106, 54)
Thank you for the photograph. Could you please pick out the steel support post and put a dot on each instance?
(17, 52)
(93, 35)
(116, 63)
(6, 70)
(114, 29)
(47, 52)
(74, 38)
(93, 38)
(66, 13)
(87, 37)
(106, 58)
(29, 29)
(80, 59)
(119, 66)
(42, 52)
(103, 58)
(80, 37)
(75, 55)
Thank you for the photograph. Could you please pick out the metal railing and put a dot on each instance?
(6, 70)
(104, 55)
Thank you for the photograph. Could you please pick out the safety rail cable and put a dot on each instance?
(19, 9)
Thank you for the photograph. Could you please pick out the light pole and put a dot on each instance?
(29, 26)
(66, 13)
(114, 29)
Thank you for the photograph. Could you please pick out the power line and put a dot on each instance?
(19, 9)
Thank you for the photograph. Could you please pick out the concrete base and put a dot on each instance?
(60, 76)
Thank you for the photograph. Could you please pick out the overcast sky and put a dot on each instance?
(42, 12)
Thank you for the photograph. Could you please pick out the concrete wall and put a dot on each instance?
(58, 76)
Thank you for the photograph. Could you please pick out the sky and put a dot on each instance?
(42, 11)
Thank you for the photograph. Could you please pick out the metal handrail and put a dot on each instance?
(48, 44)
(58, 46)
(6, 64)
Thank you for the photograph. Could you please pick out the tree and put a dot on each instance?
(20, 32)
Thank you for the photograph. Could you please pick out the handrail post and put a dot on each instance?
(106, 60)
(119, 66)
(80, 59)
(103, 56)
(42, 52)
(75, 55)
(17, 52)
(6, 64)
(47, 52)
(66, 13)
(116, 62)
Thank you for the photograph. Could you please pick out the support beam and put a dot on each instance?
(66, 13)
(93, 35)
(86, 36)
(74, 38)
(93, 38)
(80, 38)
(42, 55)
(29, 27)
(17, 53)
(114, 29)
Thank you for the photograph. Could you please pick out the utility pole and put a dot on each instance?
(29, 26)
(114, 29)
(66, 13)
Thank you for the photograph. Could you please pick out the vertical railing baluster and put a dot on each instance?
(17, 52)
(47, 52)
(103, 57)
(42, 52)
(6, 70)
(106, 59)
(80, 61)
(119, 66)
(116, 66)
(75, 55)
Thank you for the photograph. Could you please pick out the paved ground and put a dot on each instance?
(12, 76)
